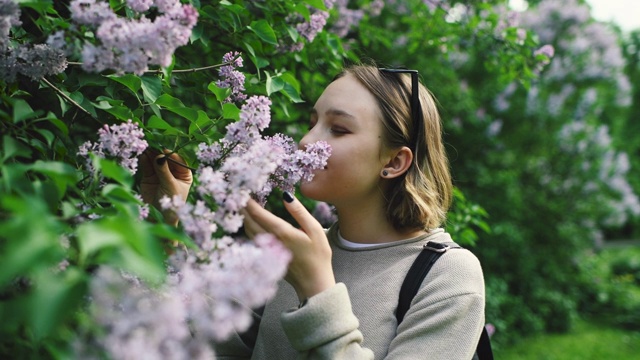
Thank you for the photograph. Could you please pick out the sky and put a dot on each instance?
(626, 13)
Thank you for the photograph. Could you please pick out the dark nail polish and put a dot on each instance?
(160, 161)
(287, 197)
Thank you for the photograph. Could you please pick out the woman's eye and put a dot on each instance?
(339, 130)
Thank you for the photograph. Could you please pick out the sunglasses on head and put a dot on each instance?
(416, 111)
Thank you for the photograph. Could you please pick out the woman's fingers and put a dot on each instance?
(251, 227)
(307, 222)
(268, 222)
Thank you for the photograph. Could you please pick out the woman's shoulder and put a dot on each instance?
(458, 270)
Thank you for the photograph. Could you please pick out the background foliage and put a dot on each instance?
(540, 154)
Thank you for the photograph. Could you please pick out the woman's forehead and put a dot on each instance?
(347, 96)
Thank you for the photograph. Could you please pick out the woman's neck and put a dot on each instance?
(369, 225)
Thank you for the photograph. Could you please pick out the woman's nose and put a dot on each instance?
(308, 138)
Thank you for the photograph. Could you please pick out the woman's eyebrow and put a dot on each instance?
(338, 113)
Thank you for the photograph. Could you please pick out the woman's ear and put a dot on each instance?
(398, 164)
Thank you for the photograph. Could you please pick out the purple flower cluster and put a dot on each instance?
(255, 116)
(243, 164)
(33, 61)
(232, 78)
(131, 45)
(9, 16)
(202, 301)
(297, 165)
(324, 213)
(123, 143)
(308, 29)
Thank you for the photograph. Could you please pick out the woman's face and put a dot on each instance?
(347, 117)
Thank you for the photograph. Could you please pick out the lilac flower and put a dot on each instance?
(209, 154)
(316, 23)
(324, 213)
(123, 143)
(297, 165)
(140, 5)
(347, 18)
(239, 276)
(546, 50)
(91, 12)
(255, 116)
(33, 61)
(9, 16)
(131, 45)
(232, 78)
(197, 220)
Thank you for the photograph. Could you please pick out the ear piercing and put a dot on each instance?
(384, 173)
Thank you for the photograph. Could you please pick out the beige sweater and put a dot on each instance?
(355, 319)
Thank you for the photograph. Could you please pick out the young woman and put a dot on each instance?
(389, 181)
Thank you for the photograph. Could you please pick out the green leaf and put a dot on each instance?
(220, 93)
(113, 170)
(264, 31)
(201, 123)
(22, 111)
(318, 4)
(62, 174)
(53, 119)
(168, 101)
(55, 297)
(131, 81)
(118, 193)
(151, 88)
(230, 111)
(122, 241)
(31, 238)
(13, 148)
(292, 93)
(274, 84)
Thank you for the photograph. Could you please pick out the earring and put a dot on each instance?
(384, 173)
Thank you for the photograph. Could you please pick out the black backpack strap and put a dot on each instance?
(431, 252)
(483, 351)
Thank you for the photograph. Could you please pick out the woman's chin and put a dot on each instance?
(310, 190)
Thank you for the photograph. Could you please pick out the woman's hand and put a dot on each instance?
(161, 177)
(310, 270)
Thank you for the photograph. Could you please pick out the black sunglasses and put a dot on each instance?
(416, 111)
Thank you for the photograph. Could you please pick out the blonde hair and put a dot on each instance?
(421, 197)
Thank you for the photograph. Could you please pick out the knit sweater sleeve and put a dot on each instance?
(326, 328)
(446, 316)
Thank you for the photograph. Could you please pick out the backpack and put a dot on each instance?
(431, 251)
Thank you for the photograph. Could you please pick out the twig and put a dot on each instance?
(66, 97)
(180, 70)
(179, 163)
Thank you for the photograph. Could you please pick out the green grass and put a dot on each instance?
(587, 341)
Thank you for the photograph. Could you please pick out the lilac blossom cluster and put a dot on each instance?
(592, 145)
(308, 29)
(33, 61)
(9, 16)
(585, 50)
(296, 165)
(243, 164)
(131, 45)
(206, 297)
(324, 213)
(230, 78)
(123, 143)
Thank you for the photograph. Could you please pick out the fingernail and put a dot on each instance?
(287, 197)
(160, 161)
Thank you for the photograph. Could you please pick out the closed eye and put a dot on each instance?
(338, 130)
